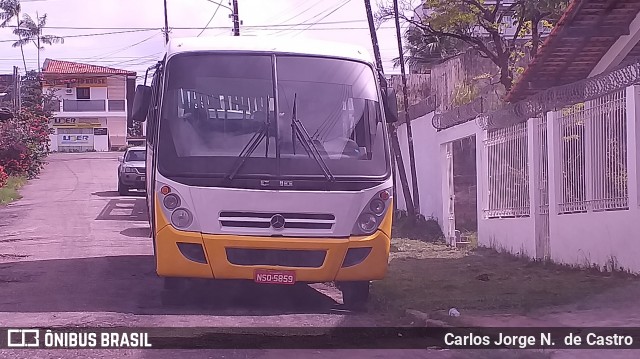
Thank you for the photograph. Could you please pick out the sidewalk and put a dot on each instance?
(614, 308)
(617, 307)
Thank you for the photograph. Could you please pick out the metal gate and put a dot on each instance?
(450, 198)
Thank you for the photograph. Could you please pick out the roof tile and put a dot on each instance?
(68, 67)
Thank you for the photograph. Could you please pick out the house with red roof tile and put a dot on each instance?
(92, 105)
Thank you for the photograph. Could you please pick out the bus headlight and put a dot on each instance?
(367, 223)
(377, 206)
(372, 215)
(181, 218)
(171, 201)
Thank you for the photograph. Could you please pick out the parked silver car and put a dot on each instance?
(132, 170)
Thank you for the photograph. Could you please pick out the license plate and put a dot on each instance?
(274, 277)
(142, 179)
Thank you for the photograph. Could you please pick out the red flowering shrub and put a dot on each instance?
(24, 143)
(24, 137)
(3, 177)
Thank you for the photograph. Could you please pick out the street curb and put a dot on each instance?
(443, 320)
(425, 320)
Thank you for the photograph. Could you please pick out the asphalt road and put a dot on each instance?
(75, 253)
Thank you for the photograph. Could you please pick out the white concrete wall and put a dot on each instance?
(98, 93)
(426, 149)
(516, 235)
(594, 238)
(597, 237)
(53, 143)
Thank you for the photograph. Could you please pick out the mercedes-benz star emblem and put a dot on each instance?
(277, 221)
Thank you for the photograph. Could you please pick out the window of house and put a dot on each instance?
(83, 93)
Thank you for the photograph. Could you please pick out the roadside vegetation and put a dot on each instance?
(433, 276)
(24, 139)
(9, 191)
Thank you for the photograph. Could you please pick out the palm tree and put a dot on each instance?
(425, 50)
(11, 10)
(30, 31)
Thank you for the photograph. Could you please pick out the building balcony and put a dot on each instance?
(88, 107)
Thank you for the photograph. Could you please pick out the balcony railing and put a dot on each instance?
(116, 105)
(83, 105)
(92, 105)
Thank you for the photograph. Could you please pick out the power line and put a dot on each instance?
(293, 17)
(275, 18)
(324, 17)
(199, 28)
(126, 47)
(211, 19)
(308, 28)
(114, 58)
(95, 34)
(314, 17)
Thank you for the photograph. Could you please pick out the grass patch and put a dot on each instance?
(9, 192)
(430, 276)
(424, 229)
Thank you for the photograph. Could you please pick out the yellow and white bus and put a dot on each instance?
(268, 160)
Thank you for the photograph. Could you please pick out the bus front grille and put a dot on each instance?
(276, 257)
(317, 221)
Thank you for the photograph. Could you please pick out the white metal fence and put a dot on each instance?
(592, 142)
(508, 172)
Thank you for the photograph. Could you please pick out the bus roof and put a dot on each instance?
(269, 44)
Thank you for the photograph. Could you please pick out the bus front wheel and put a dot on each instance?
(355, 295)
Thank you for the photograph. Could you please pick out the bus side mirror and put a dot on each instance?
(391, 105)
(141, 103)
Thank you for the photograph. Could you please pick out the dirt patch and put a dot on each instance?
(429, 277)
(15, 240)
(13, 256)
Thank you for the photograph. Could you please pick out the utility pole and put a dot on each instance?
(412, 158)
(236, 19)
(395, 143)
(166, 23)
(16, 90)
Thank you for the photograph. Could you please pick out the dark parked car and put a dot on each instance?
(132, 170)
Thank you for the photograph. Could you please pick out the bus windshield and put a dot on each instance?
(215, 106)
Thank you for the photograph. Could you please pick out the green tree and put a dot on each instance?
(31, 31)
(10, 10)
(480, 24)
(422, 50)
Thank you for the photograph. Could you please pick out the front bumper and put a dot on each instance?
(133, 180)
(237, 257)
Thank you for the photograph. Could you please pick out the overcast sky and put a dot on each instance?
(121, 34)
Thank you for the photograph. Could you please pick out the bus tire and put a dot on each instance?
(355, 295)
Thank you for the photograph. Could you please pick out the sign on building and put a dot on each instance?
(74, 139)
(80, 81)
(76, 122)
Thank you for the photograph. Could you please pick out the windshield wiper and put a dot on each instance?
(299, 131)
(250, 147)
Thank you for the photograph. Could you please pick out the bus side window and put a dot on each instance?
(153, 109)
